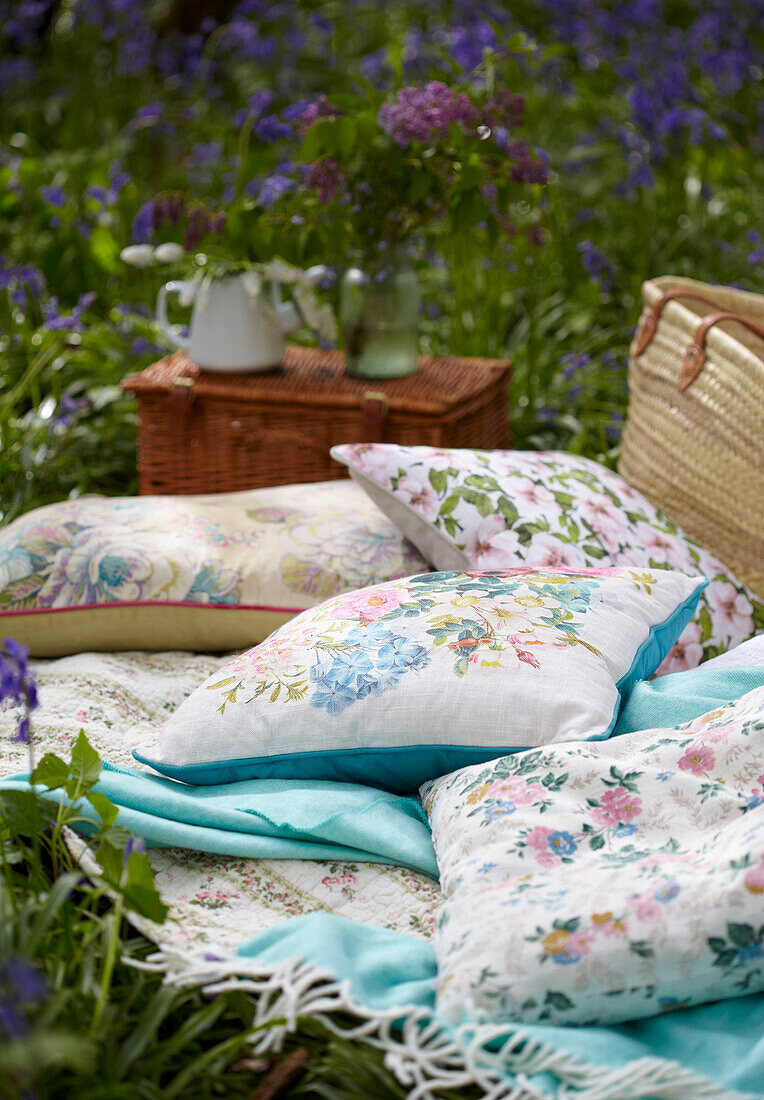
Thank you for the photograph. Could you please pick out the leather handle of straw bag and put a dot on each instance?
(695, 356)
(649, 324)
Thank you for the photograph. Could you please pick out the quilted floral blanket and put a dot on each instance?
(122, 700)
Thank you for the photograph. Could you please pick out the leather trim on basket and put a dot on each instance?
(695, 356)
(649, 321)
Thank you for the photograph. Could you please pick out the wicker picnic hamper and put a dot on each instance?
(693, 441)
(205, 433)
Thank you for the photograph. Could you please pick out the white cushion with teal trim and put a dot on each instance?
(404, 681)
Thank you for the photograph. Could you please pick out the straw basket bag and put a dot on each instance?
(694, 436)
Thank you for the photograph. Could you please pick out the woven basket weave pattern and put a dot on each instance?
(699, 454)
(232, 432)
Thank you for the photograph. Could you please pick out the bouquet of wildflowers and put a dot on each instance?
(432, 157)
(214, 243)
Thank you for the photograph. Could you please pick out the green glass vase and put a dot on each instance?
(380, 298)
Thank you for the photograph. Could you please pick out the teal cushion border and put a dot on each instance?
(652, 652)
(401, 769)
(404, 768)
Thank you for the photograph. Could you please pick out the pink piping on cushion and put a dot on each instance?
(153, 603)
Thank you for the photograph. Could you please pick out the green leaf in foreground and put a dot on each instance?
(52, 772)
(85, 767)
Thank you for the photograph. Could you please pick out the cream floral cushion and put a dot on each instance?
(502, 509)
(208, 573)
(612, 881)
(403, 681)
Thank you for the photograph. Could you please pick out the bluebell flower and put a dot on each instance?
(271, 128)
(270, 190)
(663, 776)
(142, 229)
(622, 831)
(134, 844)
(573, 361)
(56, 196)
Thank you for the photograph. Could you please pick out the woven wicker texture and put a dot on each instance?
(698, 453)
(205, 433)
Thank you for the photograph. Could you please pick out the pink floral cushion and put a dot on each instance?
(503, 509)
(613, 881)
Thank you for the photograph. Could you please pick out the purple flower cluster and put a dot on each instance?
(325, 178)
(17, 685)
(669, 68)
(270, 189)
(56, 321)
(258, 102)
(573, 362)
(597, 266)
(20, 278)
(313, 111)
(54, 196)
(199, 223)
(426, 113)
(70, 409)
(197, 220)
(21, 985)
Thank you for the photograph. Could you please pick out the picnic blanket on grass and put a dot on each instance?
(372, 976)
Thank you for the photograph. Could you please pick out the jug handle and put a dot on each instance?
(171, 332)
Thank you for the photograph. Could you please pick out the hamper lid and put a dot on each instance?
(317, 379)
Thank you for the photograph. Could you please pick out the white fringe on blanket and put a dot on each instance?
(421, 1053)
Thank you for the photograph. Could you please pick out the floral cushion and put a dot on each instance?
(208, 573)
(402, 681)
(501, 509)
(613, 881)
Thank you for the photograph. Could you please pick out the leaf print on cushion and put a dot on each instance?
(503, 509)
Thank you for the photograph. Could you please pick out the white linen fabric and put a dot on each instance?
(611, 882)
(392, 684)
(505, 509)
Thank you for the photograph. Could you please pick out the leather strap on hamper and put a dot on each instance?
(695, 356)
(649, 323)
(374, 410)
(181, 397)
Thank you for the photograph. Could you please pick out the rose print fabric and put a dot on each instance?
(504, 509)
(270, 550)
(612, 881)
(403, 681)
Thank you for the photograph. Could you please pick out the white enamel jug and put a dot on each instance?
(234, 328)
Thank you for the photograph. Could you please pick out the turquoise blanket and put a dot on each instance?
(269, 818)
(724, 1041)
